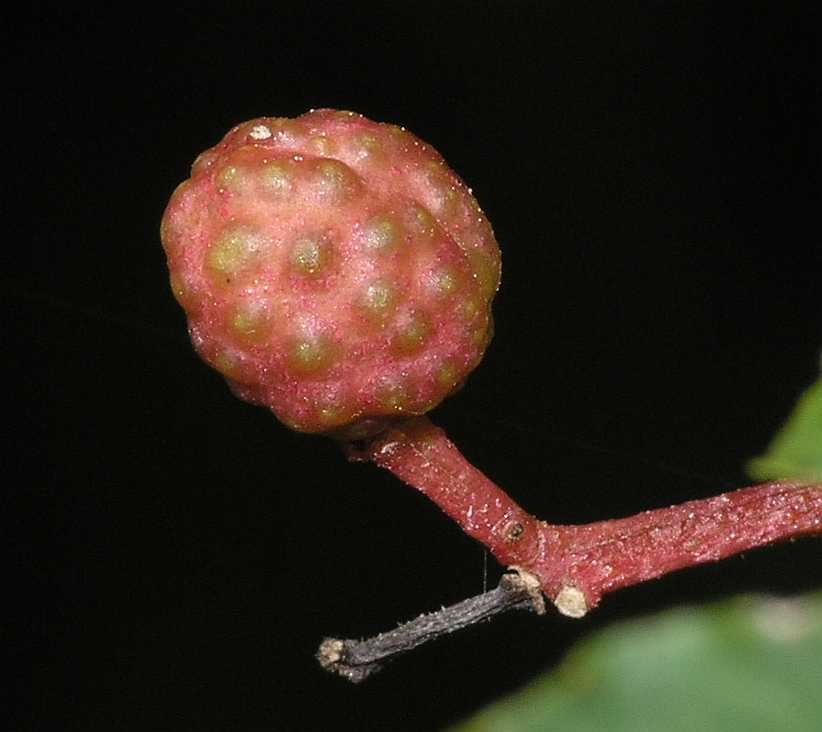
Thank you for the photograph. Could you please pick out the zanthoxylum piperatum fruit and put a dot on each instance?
(338, 272)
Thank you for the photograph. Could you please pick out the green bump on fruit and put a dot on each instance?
(321, 145)
(368, 146)
(168, 237)
(177, 286)
(392, 394)
(276, 180)
(233, 251)
(228, 177)
(444, 281)
(483, 332)
(379, 299)
(470, 309)
(337, 183)
(442, 185)
(412, 332)
(311, 355)
(227, 364)
(203, 162)
(170, 234)
(183, 294)
(424, 221)
(333, 414)
(311, 255)
(479, 337)
(486, 272)
(380, 234)
(251, 324)
(447, 375)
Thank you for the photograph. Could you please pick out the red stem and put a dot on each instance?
(577, 565)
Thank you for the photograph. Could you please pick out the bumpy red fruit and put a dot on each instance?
(333, 269)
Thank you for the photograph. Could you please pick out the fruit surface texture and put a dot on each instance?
(333, 269)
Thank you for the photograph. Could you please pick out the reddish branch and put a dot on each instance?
(577, 565)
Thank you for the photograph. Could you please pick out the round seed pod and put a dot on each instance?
(333, 269)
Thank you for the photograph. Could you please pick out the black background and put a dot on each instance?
(652, 174)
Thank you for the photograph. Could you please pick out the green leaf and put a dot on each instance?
(796, 451)
(752, 663)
